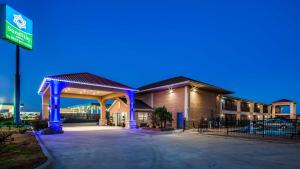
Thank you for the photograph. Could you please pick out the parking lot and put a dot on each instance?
(114, 148)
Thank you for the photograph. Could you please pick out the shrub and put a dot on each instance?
(5, 135)
(48, 131)
(22, 130)
(39, 124)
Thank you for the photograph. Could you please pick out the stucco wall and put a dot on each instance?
(203, 104)
(118, 107)
(146, 98)
(174, 102)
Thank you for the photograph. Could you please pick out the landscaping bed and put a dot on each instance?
(21, 151)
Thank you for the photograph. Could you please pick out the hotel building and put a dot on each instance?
(184, 97)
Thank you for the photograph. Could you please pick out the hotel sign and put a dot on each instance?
(15, 27)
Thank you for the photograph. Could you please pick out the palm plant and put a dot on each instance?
(161, 116)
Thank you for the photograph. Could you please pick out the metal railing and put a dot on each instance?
(266, 128)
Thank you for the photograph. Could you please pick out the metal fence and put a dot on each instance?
(266, 128)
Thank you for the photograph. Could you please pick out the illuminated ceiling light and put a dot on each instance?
(171, 90)
(194, 89)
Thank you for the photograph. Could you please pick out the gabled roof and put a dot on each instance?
(138, 104)
(283, 100)
(85, 79)
(181, 81)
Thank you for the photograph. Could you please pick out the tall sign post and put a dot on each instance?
(16, 28)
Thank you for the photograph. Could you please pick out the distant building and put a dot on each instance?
(7, 111)
(91, 108)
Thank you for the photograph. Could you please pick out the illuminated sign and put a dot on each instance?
(15, 27)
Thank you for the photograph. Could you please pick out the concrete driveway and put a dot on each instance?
(116, 148)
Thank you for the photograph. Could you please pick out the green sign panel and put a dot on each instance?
(15, 27)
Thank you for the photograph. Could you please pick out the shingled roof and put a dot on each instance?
(87, 79)
(138, 104)
(283, 100)
(181, 81)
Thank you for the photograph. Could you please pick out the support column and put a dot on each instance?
(55, 91)
(273, 111)
(130, 121)
(186, 103)
(292, 111)
(103, 120)
(261, 112)
(220, 107)
(45, 105)
(238, 110)
(251, 111)
(269, 111)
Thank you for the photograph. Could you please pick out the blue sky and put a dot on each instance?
(250, 47)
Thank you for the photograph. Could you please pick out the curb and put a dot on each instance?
(49, 162)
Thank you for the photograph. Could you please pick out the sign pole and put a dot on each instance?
(17, 88)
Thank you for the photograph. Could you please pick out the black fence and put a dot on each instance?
(266, 128)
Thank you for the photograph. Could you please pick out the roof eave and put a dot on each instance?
(89, 84)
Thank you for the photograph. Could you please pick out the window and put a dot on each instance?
(228, 104)
(245, 107)
(143, 117)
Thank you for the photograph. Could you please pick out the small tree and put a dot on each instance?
(154, 119)
(161, 116)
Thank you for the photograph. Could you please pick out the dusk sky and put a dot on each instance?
(251, 48)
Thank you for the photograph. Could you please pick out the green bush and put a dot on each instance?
(48, 131)
(39, 124)
(23, 130)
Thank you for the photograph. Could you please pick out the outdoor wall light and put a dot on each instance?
(194, 89)
(171, 90)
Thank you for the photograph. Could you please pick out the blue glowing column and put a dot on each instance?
(55, 91)
(131, 123)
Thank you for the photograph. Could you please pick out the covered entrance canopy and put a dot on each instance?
(83, 86)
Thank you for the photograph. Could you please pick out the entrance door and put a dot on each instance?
(120, 119)
(180, 120)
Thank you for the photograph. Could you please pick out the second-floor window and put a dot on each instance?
(229, 104)
(256, 108)
(245, 107)
(265, 109)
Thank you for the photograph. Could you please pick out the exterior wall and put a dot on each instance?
(204, 104)
(118, 107)
(199, 104)
(146, 98)
(174, 102)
